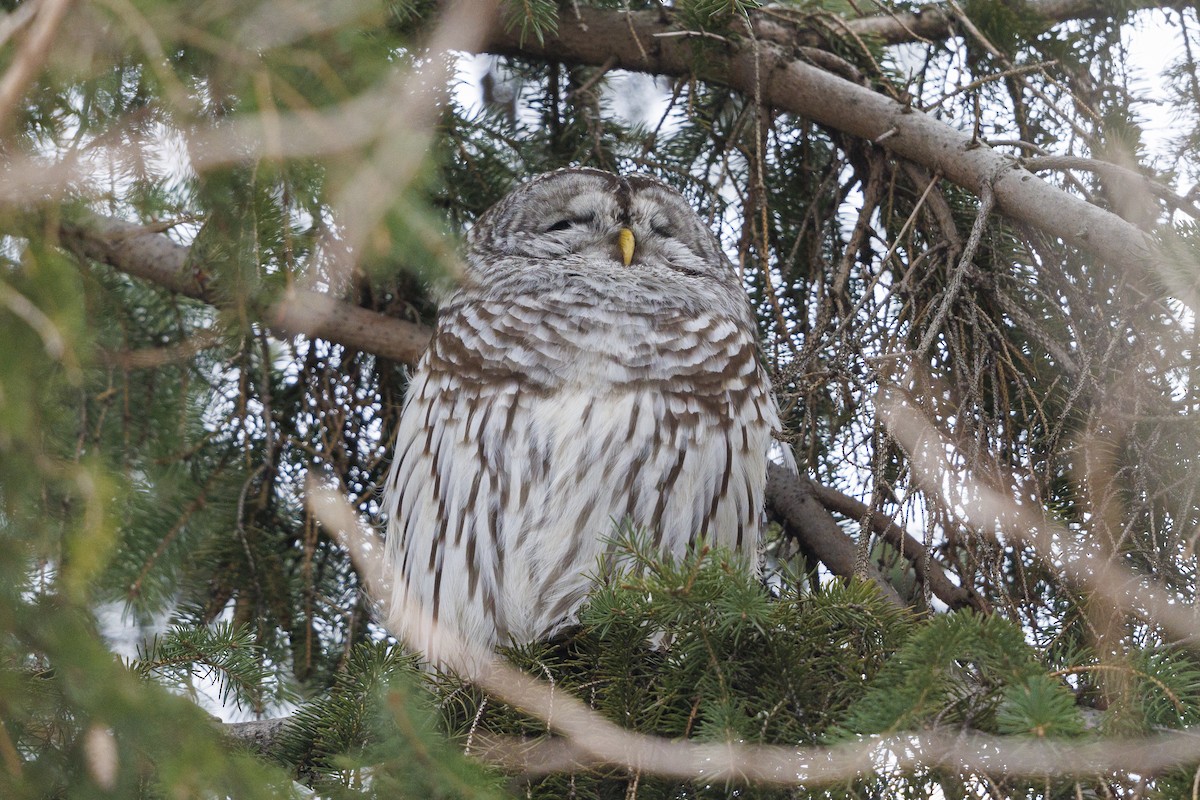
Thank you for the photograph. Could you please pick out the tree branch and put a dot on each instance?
(153, 256)
(927, 571)
(31, 56)
(934, 21)
(648, 41)
(791, 501)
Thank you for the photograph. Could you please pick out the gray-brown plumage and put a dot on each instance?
(598, 364)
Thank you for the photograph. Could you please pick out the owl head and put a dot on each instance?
(587, 218)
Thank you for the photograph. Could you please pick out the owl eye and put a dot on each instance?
(665, 230)
(570, 222)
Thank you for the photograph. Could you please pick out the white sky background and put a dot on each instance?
(1153, 46)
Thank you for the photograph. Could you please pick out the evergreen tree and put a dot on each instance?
(226, 227)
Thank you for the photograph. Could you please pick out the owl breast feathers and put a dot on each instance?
(599, 365)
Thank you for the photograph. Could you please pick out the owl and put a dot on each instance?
(598, 366)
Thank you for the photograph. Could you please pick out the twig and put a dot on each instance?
(986, 79)
(986, 200)
(632, 30)
(34, 51)
(596, 77)
(692, 35)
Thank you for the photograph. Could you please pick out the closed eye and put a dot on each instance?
(663, 230)
(570, 222)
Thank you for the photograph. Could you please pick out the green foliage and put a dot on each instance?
(1038, 706)
(374, 734)
(698, 650)
(154, 448)
(533, 17)
(1156, 690)
(78, 723)
(953, 670)
(222, 654)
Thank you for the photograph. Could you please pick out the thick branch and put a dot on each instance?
(934, 21)
(792, 502)
(152, 256)
(930, 573)
(649, 42)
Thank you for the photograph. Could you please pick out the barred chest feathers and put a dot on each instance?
(563, 393)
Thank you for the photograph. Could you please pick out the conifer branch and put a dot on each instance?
(650, 42)
(153, 256)
(934, 21)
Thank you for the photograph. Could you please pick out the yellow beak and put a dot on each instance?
(625, 242)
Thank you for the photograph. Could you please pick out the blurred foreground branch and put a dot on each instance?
(587, 738)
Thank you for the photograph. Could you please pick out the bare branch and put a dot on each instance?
(946, 590)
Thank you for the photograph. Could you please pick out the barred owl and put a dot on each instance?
(598, 365)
